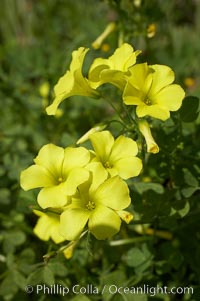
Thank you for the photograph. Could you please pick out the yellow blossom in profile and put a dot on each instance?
(144, 128)
(118, 157)
(151, 89)
(96, 205)
(58, 172)
(72, 82)
(112, 70)
(48, 226)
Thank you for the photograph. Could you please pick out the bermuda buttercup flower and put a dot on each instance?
(72, 82)
(144, 128)
(48, 226)
(96, 204)
(112, 70)
(116, 156)
(59, 171)
(150, 88)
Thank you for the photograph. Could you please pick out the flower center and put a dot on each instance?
(60, 180)
(148, 102)
(107, 164)
(90, 205)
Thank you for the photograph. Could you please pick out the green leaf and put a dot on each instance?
(139, 258)
(190, 109)
(142, 187)
(189, 178)
(8, 287)
(41, 275)
(13, 239)
(188, 192)
(58, 268)
(4, 196)
(135, 257)
(19, 279)
(183, 211)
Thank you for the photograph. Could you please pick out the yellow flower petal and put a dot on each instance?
(138, 75)
(128, 167)
(72, 223)
(74, 157)
(102, 143)
(48, 227)
(123, 147)
(36, 176)
(170, 97)
(123, 58)
(155, 111)
(114, 77)
(76, 177)
(54, 197)
(113, 193)
(132, 96)
(51, 157)
(104, 222)
(162, 77)
(99, 175)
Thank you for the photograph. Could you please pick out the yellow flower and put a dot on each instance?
(137, 3)
(59, 171)
(48, 226)
(189, 82)
(150, 88)
(44, 89)
(116, 156)
(69, 251)
(112, 70)
(109, 28)
(125, 216)
(72, 82)
(105, 47)
(151, 30)
(97, 203)
(152, 146)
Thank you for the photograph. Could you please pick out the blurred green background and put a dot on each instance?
(36, 41)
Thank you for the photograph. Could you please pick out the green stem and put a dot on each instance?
(120, 242)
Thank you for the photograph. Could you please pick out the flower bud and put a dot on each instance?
(98, 128)
(152, 146)
(109, 28)
(125, 216)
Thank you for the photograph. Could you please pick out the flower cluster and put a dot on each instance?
(82, 187)
(148, 87)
